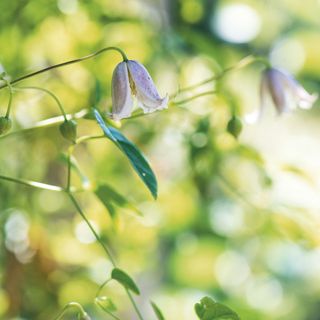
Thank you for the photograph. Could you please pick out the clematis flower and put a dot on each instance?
(130, 78)
(285, 92)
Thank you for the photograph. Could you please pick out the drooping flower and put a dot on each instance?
(285, 92)
(131, 78)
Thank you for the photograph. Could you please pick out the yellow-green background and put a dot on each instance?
(235, 219)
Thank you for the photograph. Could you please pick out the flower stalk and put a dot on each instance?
(66, 63)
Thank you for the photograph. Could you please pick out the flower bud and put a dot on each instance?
(5, 125)
(68, 129)
(234, 126)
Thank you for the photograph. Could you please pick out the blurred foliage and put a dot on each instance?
(236, 219)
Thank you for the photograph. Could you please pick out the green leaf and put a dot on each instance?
(208, 309)
(157, 311)
(98, 92)
(136, 158)
(112, 199)
(106, 304)
(124, 279)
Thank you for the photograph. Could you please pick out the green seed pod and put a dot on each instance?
(234, 126)
(5, 125)
(68, 129)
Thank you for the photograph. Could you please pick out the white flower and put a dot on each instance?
(285, 92)
(131, 78)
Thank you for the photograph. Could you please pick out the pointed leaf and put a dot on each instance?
(112, 199)
(136, 158)
(106, 304)
(157, 311)
(124, 279)
(208, 309)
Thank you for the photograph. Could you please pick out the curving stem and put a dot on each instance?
(59, 65)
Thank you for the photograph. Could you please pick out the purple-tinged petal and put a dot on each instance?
(145, 89)
(277, 89)
(302, 97)
(121, 93)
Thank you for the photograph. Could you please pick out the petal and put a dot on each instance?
(146, 91)
(121, 93)
(302, 97)
(277, 89)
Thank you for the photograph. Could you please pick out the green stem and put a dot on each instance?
(10, 100)
(134, 304)
(87, 138)
(81, 212)
(107, 311)
(59, 65)
(227, 185)
(33, 184)
(70, 305)
(194, 97)
(51, 94)
(105, 248)
(241, 64)
(49, 122)
(69, 172)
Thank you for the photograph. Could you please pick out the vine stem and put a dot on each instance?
(59, 65)
(10, 100)
(107, 311)
(105, 248)
(51, 94)
(206, 93)
(241, 64)
(44, 186)
(34, 184)
(81, 212)
(134, 304)
(70, 305)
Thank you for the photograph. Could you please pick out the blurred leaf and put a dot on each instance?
(250, 153)
(112, 199)
(124, 279)
(106, 304)
(74, 166)
(298, 172)
(138, 161)
(208, 309)
(157, 311)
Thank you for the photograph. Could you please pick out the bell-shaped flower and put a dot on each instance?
(285, 92)
(130, 78)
